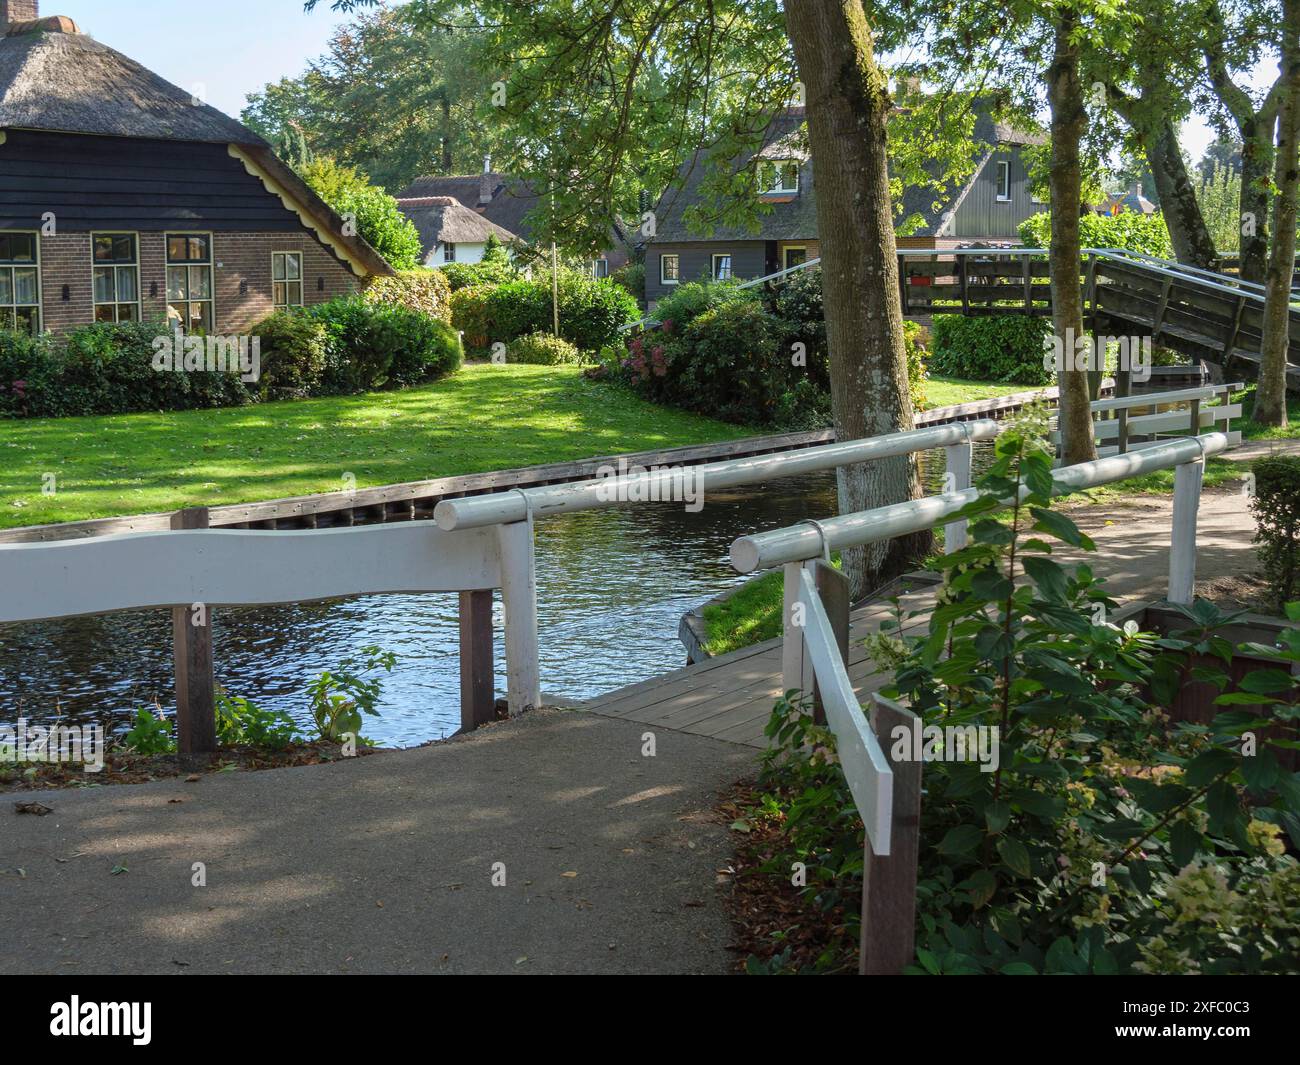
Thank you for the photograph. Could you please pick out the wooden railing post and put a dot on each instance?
(519, 597)
(889, 883)
(196, 722)
(795, 673)
(833, 590)
(477, 695)
(1182, 539)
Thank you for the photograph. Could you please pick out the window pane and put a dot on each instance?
(24, 286)
(295, 293)
(198, 248)
(293, 267)
(278, 293)
(103, 248)
(126, 286)
(23, 248)
(791, 176)
(28, 319)
(200, 283)
(126, 312)
(175, 249)
(6, 287)
(176, 289)
(104, 313)
(104, 291)
(277, 267)
(124, 248)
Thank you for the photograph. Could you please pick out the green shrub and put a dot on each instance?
(241, 723)
(379, 220)
(1276, 504)
(687, 302)
(469, 315)
(426, 291)
(149, 734)
(994, 348)
(495, 268)
(543, 349)
(369, 345)
(1146, 233)
(293, 355)
(631, 276)
(424, 348)
(24, 365)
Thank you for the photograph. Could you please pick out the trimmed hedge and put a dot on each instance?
(1137, 232)
(370, 345)
(425, 291)
(1276, 504)
(1003, 348)
(543, 349)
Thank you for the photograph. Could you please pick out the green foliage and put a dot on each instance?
(340, 697)
(149, 734)
(1220, 200)
(687, 302)
(990, 348)
(241, 723)
(1129, 230)
(469, 315)
(495, 268)
(542, 349)
(293, 355)
(425, 291)
(1103, 839)
(1276, 505)
(631, 276)
(379, 220)
(370, 345)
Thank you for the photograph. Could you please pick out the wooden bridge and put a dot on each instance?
(1207, 316)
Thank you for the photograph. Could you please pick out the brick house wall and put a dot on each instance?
(237, 258)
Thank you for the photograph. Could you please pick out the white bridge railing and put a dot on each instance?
(814, 659)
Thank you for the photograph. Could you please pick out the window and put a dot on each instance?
(778, 176)
(286, 278)
(793, 257)
(600, 268)
(116, 277)
(20, 290)
(449, 253)
(669, 269)
(722, 267)
(189, 280)
(1004, 182)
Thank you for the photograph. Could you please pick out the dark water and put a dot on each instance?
(612, 587)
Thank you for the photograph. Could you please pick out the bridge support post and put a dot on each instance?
(196, 715)
(477, 697)
(519, 597)
(1182, 540)
(957, 459)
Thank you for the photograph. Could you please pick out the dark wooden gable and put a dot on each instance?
(93, 182)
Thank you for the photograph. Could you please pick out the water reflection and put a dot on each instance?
(612, 586)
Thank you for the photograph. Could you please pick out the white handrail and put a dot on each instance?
(659, 484)
(798, 543)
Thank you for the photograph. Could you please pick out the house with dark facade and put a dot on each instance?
(987, 208)
(504, 201)
(123, 197)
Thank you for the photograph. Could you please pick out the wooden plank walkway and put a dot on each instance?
(730, 697)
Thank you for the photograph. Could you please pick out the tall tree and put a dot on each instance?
(1270, 397)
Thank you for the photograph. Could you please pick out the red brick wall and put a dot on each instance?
(237, 257)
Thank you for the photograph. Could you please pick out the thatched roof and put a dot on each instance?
(56, 79)
(510, 202)
(445, 220)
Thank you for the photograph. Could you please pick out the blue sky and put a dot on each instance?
(232, 47)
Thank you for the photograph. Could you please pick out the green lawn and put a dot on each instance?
(949, 391)
(485, 417)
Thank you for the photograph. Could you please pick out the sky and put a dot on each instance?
(247, 43)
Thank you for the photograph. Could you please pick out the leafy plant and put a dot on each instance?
(1276, 506)
(242, 723)
(1146, 233)
(1000, 347)
(149, 734)
(542, 349)
(340, 697)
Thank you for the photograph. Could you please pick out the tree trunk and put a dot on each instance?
(1256, 163)
(848, 104)
(1065, 97)
(1270, 397)
(1188, 232)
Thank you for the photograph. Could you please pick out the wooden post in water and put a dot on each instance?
(889, 883)
(196, 723)
(833, 590)
(477, 696)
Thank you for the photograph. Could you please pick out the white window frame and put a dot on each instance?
(1003, 171)
(95, 266)
(785, 250)
(286, 281)
(663, 261)
(448, 251)
(600, 267)
(731, 266)
(37, 306)
(191, 264)
(779, 187)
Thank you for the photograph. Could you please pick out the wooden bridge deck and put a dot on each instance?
(730, 697)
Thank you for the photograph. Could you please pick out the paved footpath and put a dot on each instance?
(384, 864)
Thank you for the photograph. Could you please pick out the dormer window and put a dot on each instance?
(778, 177)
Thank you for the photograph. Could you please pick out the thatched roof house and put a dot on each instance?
(128, 198)
(449, 231)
